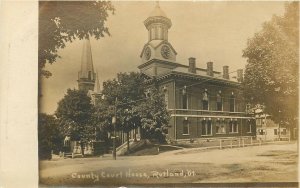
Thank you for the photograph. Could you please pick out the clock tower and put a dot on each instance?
(158, 46)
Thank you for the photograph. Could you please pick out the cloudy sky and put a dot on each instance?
(209, 31)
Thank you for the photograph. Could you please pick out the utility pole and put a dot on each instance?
(280, 116)
(266, 125)
(114, 122)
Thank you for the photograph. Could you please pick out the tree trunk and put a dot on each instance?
(82, 148)
(134, 135)
(128, 141)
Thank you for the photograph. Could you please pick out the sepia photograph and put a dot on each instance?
(168, 93)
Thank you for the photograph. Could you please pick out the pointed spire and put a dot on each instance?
(157, 12)
(87, 68)
(97, 84)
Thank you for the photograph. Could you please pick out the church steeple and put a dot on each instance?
(86, 76)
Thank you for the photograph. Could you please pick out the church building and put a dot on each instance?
(203, 102)
(89, 83)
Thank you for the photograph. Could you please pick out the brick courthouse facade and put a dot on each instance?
(203, 103)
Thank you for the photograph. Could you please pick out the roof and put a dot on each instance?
(183, 71)
(157, 12)
(203, 72)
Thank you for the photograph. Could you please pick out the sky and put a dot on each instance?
(214, 31)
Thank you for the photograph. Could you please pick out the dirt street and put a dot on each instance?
(266, 163)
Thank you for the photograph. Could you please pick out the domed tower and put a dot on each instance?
(158, 46)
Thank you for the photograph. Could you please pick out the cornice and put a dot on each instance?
(158, 19)
(180, 75)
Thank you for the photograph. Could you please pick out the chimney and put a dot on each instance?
(210, 69)
(192, 65)
(240, 75)
(226, 72)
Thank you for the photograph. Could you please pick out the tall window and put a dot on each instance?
(156, 33)
(152, 33)
(89, 75)
(206, 127)
(186, 127)
(162, 33)
(219, 102)
(184, 98)
(220, 127)
(205, 101)
(184, 101)
(231, 103)
(233, 127)
(249, 126)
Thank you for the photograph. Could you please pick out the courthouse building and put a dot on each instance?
(203, 102)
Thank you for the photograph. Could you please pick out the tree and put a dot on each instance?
(49, 137)
(63, 21)
(127, 89)
(133, 108)
(154, 116)
(75, 113)
(271, 75)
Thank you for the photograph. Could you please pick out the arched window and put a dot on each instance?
(205, 100)
(166, 34)
(219, 102)
(156, 33)
(232, 103)
(152, 33)
(162, 33)
(184, 98)
(159, 32)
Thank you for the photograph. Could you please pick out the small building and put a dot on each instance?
(268, 130)
(204, 103)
